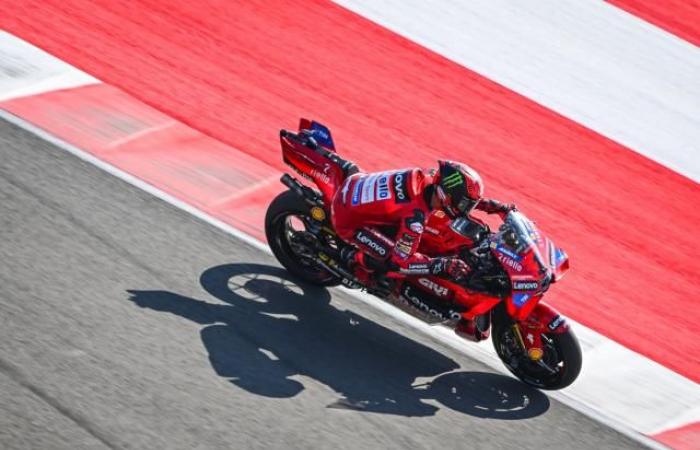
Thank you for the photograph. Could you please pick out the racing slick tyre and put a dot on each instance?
(286, 229)
(559, 366)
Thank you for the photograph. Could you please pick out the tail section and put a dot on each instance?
(319, 132)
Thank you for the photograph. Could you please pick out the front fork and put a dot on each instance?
(528, 332)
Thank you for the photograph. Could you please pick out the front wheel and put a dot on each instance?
(559, 366)
(287, 231)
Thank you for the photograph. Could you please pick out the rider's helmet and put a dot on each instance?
(458, 187)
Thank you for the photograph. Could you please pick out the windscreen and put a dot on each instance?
(518, 234)
(517, 246)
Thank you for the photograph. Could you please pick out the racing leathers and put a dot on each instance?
(384, 215)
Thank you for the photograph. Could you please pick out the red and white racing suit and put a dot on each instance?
(368, 204)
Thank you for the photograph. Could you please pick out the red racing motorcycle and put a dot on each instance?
(512, 267)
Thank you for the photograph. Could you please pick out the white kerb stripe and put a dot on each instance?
(587, 60)
(27, 70)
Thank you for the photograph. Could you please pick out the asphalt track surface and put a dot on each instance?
(387, 99)
(127, 323)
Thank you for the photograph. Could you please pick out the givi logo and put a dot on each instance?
(440, 291)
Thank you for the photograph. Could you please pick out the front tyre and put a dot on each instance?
(286, 229)
(559, 366)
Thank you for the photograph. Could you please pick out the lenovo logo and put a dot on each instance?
(371, 243)
(400, 187)
(525, 285)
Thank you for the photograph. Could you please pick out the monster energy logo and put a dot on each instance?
(452, 180)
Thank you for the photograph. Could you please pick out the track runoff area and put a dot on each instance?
(655, 394)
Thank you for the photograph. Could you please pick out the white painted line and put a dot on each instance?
(27, 70)
(145, 132)
(587, 60)
(262, 183)
(616, 416)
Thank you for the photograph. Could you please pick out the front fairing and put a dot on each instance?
(530, 259)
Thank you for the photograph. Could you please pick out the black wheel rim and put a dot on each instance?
(532, 372)
(289, 228)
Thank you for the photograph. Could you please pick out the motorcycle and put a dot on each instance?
(512, 267)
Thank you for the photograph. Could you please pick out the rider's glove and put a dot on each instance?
(449, 267)
(508, 207)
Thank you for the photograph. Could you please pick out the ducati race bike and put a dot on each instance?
(512, 267)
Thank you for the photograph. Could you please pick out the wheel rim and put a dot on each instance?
(291, 232)
(535, 373)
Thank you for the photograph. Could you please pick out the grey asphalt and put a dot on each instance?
(127, 323)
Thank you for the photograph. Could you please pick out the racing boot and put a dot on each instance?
(367, 270)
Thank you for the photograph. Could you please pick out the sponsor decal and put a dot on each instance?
(403, 250)
(420, 304)
(416, 221)
(525, 285)
(452, 180)
(508, 262)
(440, 291)
(556, 322)
(383, 191)
(356, 191)
(438, 267)
(321, 176)
(372, 188)
(519, 299)
(404, 246)
(350, 284)
(535, 354)
(508, 252)
(401, 187)
(318, 213)
(367, 240)
(368, 189)
(416, 227)
(417, 269)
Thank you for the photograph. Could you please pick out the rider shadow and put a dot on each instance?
(273, 328)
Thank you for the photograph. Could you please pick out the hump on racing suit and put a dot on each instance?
(371, 206)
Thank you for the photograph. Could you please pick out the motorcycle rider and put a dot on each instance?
(368, 203)
(398, 202)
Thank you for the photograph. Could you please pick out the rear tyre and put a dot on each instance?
(562, 356)
(286, 229)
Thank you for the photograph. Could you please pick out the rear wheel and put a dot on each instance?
(559, 366)
(287, 225)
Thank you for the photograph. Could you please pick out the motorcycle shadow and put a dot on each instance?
(272, 328)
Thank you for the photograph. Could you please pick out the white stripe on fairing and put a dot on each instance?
(27, 70)
(617, 387)
(587, 60)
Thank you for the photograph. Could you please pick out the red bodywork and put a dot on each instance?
(312, 164)
(531, 270)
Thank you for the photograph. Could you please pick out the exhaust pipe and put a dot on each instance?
(293, 184)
